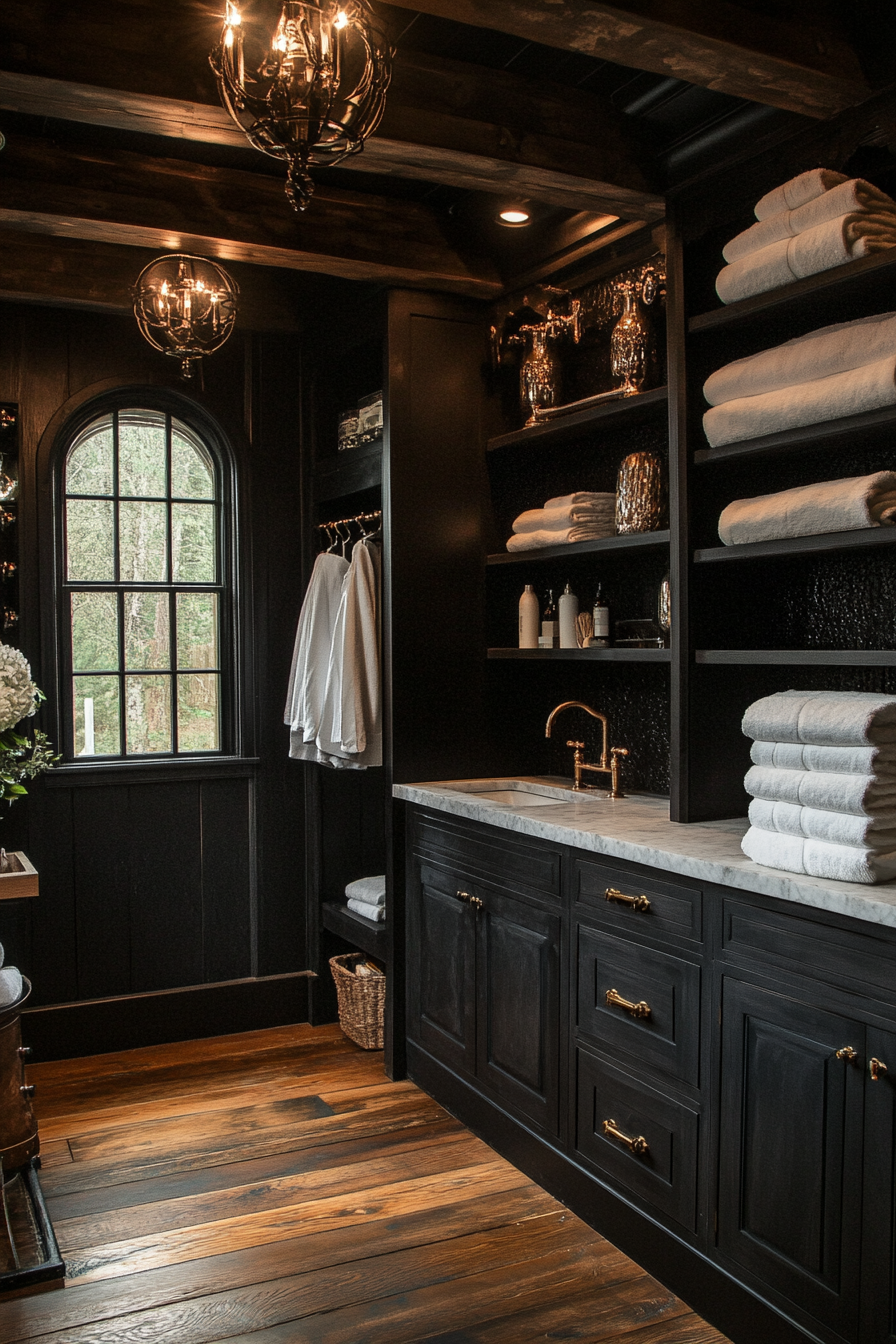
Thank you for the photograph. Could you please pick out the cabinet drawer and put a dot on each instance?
(516, 862)
(660, 1164)
(656, 906)
(665, 1032)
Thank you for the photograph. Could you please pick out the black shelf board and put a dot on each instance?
(627, 410)
(857, 279)
(850, 430)
(639, 540)
(366, 935)
(349, 471)
(798, 657)
(594, 655)
(827, 541)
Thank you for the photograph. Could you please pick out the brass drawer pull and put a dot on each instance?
(847, 1053)
(470, 900)
(877, 1068)
(636, 902)
(639, 1146)
(641, 1010)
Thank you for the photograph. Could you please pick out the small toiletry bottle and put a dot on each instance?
(568, 610)
(601, 638)
(550, 626)
(529, 612)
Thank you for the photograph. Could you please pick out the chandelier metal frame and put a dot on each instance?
(185, 306)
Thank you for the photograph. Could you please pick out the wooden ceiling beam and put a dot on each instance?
(798, 66)
(125, 198)
(439, 126)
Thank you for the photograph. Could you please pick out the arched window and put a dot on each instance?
(145, 598)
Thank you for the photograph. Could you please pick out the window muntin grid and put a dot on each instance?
(143, 591)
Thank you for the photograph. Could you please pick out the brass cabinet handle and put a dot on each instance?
(640, 1146)
(877, 1068)
(636, 902)
(847, 1053)
(28, 1089)
(464, 896)
(641, 1009)
(470, 900)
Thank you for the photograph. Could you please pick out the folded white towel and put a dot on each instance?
(860, 795)
(833, 243)
(812, 823)
(853, 197)
(531, 541)
(369, 889)
(564, 516)
(808, 510)
(375, 912)
(817, 858)
(868, 388)
(579, 497)
(823, 719)
(798, 191)
(10, 985)
(805, 359)
(832, 760)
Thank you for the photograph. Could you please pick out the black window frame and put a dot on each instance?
(200, 425)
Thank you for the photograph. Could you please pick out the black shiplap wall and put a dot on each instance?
(149, 883)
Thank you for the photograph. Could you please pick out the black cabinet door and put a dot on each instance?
(518, 1028)
(790, 1149)
(879, 1211)
(442, 970)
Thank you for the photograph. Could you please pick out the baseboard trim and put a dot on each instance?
(708, 1289)
(98, 1026)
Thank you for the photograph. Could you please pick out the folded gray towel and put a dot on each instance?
(806, 359)
(853, 197)
(369, 889)
(817, 858)
(868, 388)
(840, 828)
(823, 719)
(833, 243)
(831, 760)
(370, 911)
(859, 795)
(798, 191)
(809, 510)
(10, 985)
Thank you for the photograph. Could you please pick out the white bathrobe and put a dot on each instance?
(311, 655)
(350, 727)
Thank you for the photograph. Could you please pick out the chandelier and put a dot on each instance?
(185, 306)
(312, 91)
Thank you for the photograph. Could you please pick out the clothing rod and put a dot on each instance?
(356, 518)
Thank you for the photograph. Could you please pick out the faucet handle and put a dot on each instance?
(580, 746)
(619, 751)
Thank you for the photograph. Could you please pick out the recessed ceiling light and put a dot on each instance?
(514, 217)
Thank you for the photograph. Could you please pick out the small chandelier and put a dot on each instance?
(313, 91)
(185, 306)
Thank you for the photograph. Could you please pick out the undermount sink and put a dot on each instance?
(510, 793)
(519, 798)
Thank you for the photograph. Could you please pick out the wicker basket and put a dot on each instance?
(361, 1001)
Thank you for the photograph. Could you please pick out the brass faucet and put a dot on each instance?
(607, 767)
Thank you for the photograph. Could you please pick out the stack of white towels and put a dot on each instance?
(10, 983)
(583, 516)
(367, 897)
(823, 784)
(834, 372)
(812, 223)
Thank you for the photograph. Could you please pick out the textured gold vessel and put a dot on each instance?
(641, 494)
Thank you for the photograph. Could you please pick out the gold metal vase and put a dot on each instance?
(641, 494)
(630, 342)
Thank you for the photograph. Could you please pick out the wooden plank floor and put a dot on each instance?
(275, 1187)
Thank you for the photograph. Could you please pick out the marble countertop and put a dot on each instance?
(638, 828)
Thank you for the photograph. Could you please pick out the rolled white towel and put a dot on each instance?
(369, 889)
(2, 954)
(868, 388)
(832, 760)
(809, 510)
(806, 359)
(375, 912)
(860, 795)
(798, 191)
(831, 244)
(853, 197)
(823, 718)
(817, 858)
(812, 823)
(10, 985)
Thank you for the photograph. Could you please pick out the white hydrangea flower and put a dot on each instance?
(18, 693)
